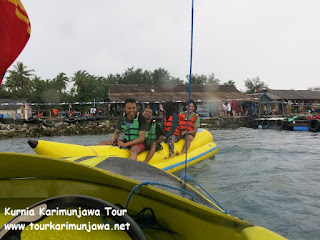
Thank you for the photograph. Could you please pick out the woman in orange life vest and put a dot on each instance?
(170, 126)
(193, 125)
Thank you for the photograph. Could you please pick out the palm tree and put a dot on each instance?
(60, 82)
(20, 78)
(79, 78)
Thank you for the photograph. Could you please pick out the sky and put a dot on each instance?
(277, 40)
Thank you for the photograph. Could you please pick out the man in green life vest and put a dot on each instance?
(134, 127)
(153, 135)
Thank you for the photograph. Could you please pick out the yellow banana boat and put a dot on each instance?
(53, 198)
(202, 147)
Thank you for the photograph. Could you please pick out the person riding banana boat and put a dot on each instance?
(173, 126)
(170, 126)
(134, 126)
(154, 134)
(193, 125)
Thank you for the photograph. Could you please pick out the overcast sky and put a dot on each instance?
(277, 40)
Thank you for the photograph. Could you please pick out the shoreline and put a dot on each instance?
(93, 127)
(60, 128)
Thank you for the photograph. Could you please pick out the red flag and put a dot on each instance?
(256, 90)
(14, 32)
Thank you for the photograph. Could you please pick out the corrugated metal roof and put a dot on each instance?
(11, 104)
(10, 107)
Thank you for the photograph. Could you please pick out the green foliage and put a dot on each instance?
(255, 84)
(131, 76)
(88, 87)
(4, 93)
(203, 79)
(88, 90)
(138, 76)
(60, 82)
(79, 78)
(161, 76)
(39, 89)
(314, 88)
(230, 83)
(22, 83)
(18, 82)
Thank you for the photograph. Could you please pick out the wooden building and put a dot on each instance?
(293, 101)
(178, 93)
(208, 97)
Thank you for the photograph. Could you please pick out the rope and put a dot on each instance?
(187, 177)
(135, 190)
(190, 80)
(149, 221)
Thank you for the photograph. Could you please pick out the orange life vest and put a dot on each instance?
(183, 122)
(167, 123)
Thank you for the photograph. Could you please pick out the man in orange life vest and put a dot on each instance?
(193, 125)
(134, 126)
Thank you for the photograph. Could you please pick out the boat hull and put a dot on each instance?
(26, 179)
(202, 147)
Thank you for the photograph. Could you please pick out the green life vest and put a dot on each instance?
(151, 135)
(131, 130)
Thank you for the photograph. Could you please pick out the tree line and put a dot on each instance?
(22, 82)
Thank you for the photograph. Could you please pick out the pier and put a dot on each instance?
(296, 123)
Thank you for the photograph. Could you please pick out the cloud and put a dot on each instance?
(236, 40)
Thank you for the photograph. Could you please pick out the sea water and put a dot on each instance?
(267, 177)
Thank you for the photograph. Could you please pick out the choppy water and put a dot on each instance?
(269, 178)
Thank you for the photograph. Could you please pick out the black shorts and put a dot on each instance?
(158, 147)
(184, 136)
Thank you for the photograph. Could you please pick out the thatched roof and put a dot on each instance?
(179, 93)
(294, 94)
